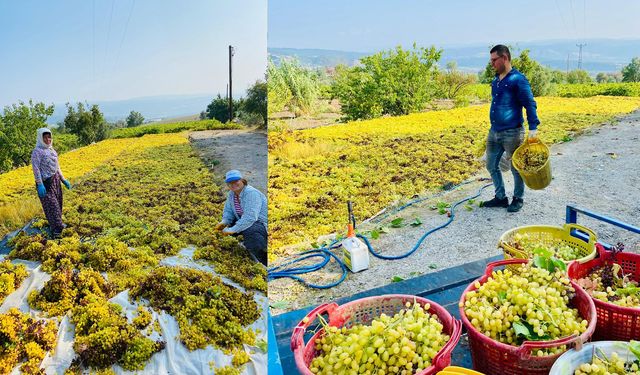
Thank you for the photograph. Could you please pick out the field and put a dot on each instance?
(312, 173)
(174, 127)
(136, 202)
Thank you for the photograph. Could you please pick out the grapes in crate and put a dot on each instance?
(405, 343)
(525, 303)
(609, 283)
(614, 364)
(533, 159)
(529, 244)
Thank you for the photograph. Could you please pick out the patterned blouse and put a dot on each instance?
(44, 162)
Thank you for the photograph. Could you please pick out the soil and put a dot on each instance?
(244, 150)
(598, 171)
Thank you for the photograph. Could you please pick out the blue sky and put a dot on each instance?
(372, 25)
(58, 51)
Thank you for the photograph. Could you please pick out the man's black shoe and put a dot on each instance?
(516, 205)
(495, 202)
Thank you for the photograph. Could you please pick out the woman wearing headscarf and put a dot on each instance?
(245, 213)
(46, 170)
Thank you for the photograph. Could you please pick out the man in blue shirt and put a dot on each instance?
(510, 92)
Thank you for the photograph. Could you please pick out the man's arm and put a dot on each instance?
(525, 96)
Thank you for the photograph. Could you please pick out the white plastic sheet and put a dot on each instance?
(174, 359)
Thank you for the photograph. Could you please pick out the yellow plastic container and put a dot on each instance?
(549, 233)
(535, 179)
(455, 370)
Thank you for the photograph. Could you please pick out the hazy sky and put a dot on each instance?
(58, 51)
(372, 25)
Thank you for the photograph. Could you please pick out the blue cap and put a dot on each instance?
(232, 175)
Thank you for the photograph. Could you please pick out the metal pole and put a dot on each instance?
(230, 84)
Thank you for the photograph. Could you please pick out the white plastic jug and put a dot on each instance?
(355, 254)
(567, 363)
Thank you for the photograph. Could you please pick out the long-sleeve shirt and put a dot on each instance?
(254, 208)
(509, 96)
(44, 162)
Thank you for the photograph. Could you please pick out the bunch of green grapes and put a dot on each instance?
(401, 344)
(533, 159)
(608, 366)
(608, 283)
(522, 304)
(525, 242)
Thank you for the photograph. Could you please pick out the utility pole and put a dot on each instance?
(580, 54)
(230, 84)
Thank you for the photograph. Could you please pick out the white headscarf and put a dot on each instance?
(40, 140)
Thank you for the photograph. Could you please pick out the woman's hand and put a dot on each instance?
(67, 184)
(41, 190)
(220, 226)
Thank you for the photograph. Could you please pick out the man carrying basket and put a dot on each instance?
(510, 92)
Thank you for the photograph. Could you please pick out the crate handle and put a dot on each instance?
(297, 339)
(579, 228)
(505, 262)
(444, 355)
(528, 346)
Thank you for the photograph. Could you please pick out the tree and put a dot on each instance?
(292, 86)
(452, 81)
(88, 125)
(18, 127)
(579, 76)
(558, 76)
(601, 78)
(134, 119)
(394, 82)
(538, 76)
(256, 101)
(219, 109)
(631, 72)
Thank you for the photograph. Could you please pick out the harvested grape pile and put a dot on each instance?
(24, 338)
(609, 283)
(123, 219)
(401, 344)
(533, 159)
(559, 249)
(523, 304)
(11, 276)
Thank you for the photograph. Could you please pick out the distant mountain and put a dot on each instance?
(153, 108)
(599, 55)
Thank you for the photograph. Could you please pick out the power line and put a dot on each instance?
(126, 26)
(573, 17)
(106, 46)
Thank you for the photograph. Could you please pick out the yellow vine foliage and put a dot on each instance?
(312, 173)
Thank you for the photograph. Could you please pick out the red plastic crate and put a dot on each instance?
(615, 322)
(363, 311)
(495, 358)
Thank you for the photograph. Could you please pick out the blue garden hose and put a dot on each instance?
(290, 270)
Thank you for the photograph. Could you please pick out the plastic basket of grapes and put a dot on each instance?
(598, 357)
(532, 161)
(492, 357)
(394, 333)
(563, 241)
(615, 322)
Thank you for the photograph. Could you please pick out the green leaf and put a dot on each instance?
(502, 295)
(471, 201)
(433, 266)
(442, 211)
(629, 290)
(541, 262)
(281, 305)
(396, 279)
(443, 205)
(559, 264)
(397, 222)
(544, 252)
(634, 347)
(375, 234)
(315, 245)
(521, 329)
(415, 273)
(468, 208)
(383, 230)
(416, 222)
